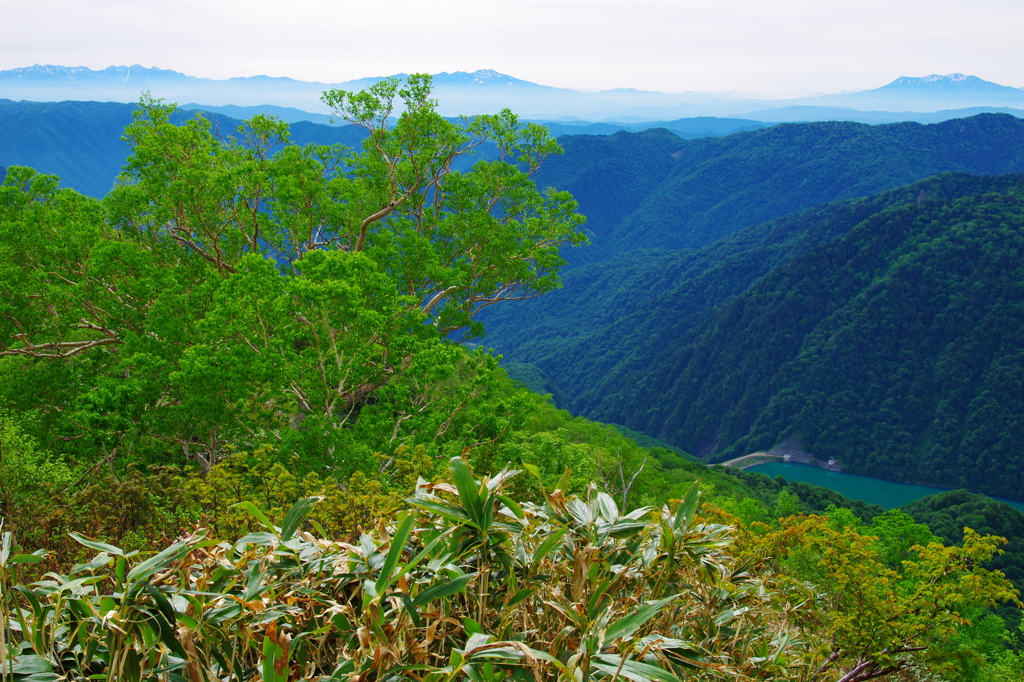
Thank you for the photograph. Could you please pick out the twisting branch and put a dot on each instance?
(64, 349)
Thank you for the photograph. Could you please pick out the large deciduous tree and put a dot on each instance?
(242, 289)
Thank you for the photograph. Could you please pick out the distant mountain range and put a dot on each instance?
(919, 99)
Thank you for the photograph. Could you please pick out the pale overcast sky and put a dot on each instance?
(754, 46)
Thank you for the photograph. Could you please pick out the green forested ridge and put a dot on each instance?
(716, 186)
(534, 379)
(614, 318)
(686, 128)
(613, 174)
(895, 348)
(569, 334)
(78, 141)
(81, 142)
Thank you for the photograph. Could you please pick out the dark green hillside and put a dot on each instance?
(82, 141)
(533, 378)
(651, 296)
(612, 319)
(723, 184)
(718, 185)
(79, 141)
(898, 349)
(614, 172)
(968, 141)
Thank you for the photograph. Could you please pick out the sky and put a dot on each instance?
(764, 47)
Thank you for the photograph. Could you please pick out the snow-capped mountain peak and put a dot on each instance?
(50, 72)
(957, 81)
(479, 77)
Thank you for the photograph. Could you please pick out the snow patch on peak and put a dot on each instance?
(479, 77)
(950, 78)
(47, 70)
(488, 74)
(81, 73)
(937, 80)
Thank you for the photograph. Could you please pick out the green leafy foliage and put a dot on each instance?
(243, 291)
(924, 598)
(947, 514)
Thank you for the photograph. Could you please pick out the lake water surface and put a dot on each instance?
(886, 494)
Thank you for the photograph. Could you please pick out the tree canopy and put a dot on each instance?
(240, 289)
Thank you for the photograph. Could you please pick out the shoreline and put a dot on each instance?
(764, 457)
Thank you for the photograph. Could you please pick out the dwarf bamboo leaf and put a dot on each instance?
(410, 608)
(469, 491)
(255, 512)
(99, 546)
(141, 572)
(445, 589)
(293, 519)
(512, 506)
(5, 546)
(274, 661)
(162, 603)
(626, 626)
(633, 670)
(442, 510)
(549, 543)
(398, 541)
(684, 515)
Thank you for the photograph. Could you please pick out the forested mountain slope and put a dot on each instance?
(610, 175)
(715, 186)
(613, 318)
(81, 142)
(897, 348)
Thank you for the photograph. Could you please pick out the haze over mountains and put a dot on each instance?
(487, 91)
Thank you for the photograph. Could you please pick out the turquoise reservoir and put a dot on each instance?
(886, 494)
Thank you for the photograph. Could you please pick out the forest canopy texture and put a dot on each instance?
(880, 331)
